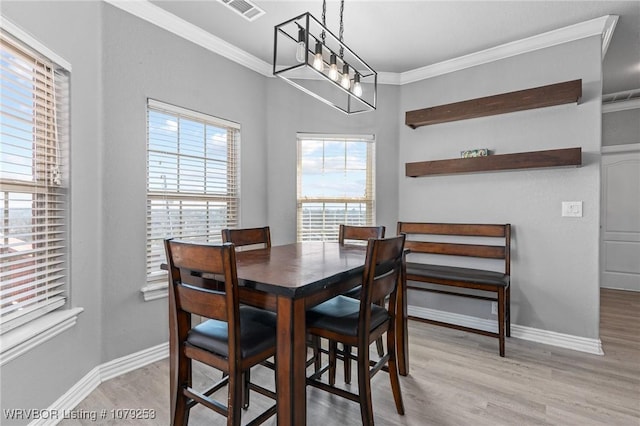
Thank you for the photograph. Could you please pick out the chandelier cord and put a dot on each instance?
(324, 19)
(341, 28)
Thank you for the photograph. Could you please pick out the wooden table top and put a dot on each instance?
(296, 270)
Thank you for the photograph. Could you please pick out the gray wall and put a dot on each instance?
(42, 375)
(143, 61)
(290, 111)
(555, 259)
(621, 127)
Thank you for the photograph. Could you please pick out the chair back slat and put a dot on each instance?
(384, 285)
(203, 302)
(197, 258)
(360, 233)
(247, 236)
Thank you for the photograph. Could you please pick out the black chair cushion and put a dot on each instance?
(340, 315)
(257, 333)
(455, 273)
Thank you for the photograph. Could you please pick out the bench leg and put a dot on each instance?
(507, 303)
(501, 319)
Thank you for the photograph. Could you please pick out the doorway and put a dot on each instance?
(620, 217)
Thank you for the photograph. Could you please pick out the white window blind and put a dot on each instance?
(34, 106)
(192, 179)
(336, 184)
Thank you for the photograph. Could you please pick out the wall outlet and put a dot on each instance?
(494, 308)
(572, 208)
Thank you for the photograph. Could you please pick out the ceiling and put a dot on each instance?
(402, 36)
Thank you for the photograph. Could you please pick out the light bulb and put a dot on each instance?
(301, 50)
(345, 82)
(357, 87)
(318, 62)
(333, 68)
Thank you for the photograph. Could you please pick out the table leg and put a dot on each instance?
(402, 331)
(291, 362)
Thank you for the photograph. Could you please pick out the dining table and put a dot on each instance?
(289, 279)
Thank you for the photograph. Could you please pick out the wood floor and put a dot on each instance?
(456, 378)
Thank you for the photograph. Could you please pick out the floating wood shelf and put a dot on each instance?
(522, 160)
(537, 97)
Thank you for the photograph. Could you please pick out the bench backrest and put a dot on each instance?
(503, 251)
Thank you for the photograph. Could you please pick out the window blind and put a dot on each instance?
(336, 184)
(34, 106)
(192, 179)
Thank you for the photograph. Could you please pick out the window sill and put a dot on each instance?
(155, 291)
(24, 338)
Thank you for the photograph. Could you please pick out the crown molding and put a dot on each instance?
(603, 26)
(178, 26)
(393, 78)
(607, 32)
(620, 106)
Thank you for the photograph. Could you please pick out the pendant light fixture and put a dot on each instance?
(311, 58)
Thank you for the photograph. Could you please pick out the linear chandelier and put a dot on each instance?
(310, 57)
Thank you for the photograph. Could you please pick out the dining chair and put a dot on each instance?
(360, 322)
(233, 339)
(348, 234)
(249, 239)
(258, 237)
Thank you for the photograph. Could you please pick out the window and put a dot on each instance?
(335, 184)
(192, 179)
(33, 184)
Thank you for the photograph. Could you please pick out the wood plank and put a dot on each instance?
(467, 229)
(520, 100)
(451, 249)
(523, 160)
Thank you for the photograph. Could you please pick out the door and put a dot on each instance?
(620, 246)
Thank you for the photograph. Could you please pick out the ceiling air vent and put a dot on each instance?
(248, 9)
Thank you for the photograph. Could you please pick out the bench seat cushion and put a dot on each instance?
(455, 273)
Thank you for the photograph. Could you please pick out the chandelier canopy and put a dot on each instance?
(310, 57)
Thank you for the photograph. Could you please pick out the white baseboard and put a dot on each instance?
(567, 341)
(621, 289)
(134, 361)
(65, 405)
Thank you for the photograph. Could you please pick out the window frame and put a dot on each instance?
(156, 281)
(329, 231)
(40, 324)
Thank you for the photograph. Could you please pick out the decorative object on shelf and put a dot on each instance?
(470, 153)
(536, 97)
(522, 160)
(311, 58)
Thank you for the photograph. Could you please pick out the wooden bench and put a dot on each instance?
(444, 239)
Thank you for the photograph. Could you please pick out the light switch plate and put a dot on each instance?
(572, 209)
